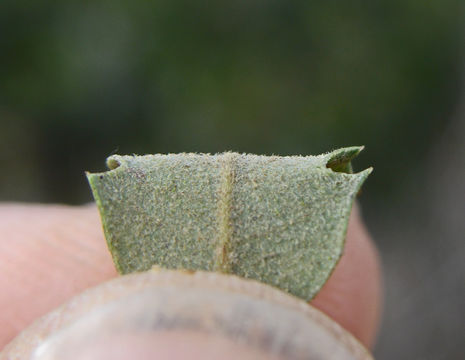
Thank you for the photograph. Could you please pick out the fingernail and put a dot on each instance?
(174, 315)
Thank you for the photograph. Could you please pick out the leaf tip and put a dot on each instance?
(113, 162)
(340, 160)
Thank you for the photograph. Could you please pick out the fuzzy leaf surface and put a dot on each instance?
(278, 220)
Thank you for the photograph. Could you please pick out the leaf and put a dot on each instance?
(279, 220)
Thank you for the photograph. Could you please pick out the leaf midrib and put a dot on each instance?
(224, 210)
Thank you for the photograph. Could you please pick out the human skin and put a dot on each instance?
(49, 253)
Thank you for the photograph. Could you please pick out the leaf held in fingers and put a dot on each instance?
(279, 220)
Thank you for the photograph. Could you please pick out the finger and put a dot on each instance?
(352, 296)
(47, 255)
(50, 253)
(135, 316)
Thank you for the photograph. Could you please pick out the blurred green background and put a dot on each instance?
(80, 80)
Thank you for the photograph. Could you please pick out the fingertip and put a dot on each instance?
(353, 294)
(48, 253)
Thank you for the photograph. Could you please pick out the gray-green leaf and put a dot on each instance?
(279, 220)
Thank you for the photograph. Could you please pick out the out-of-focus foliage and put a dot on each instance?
(81, 79)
